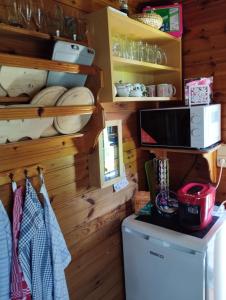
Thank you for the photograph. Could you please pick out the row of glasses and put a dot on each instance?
(138, 50)
(33, 14)
(20, 13)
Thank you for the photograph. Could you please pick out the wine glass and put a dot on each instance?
(14, 16)
(59, 20)
(38, 15)
(25, 8)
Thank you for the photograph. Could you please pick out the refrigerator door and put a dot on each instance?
(157, 270)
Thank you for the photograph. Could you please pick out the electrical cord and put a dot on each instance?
(222, 161)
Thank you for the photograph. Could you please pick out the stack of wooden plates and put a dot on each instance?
(49, 97)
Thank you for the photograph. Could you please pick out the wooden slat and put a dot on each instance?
(34, 151)
(11, 113)
(5, 28)
(20, 99)
(44, 64)
(22, 31)
(189, 151)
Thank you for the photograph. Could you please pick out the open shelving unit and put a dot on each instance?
(209, 154)
(103, 25)
(82, 141)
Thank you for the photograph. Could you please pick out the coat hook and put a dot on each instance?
(26, 173)
(11, 175)
(40, 169)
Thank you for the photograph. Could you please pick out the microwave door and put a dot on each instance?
(166, 127)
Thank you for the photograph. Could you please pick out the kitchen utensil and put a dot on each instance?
(75, 96)
(17, 81)
(73, 53)
(196, 203)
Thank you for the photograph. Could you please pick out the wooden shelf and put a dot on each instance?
(44, 64)
(136, 29)
(19, 99)
(126, 99)
(209, 154)
(123, 64)
(4, 28)
(30, 112)
(103, 26)
(182, 150)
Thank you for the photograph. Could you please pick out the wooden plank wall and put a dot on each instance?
(204, 44)
(90, 218)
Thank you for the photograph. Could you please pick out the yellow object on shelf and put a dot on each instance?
(152, 19)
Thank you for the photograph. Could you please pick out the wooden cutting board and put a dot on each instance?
(75, 96)
(17, 81)
(3, 93)
(15, 130)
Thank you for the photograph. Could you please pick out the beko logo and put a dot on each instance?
(156, 254)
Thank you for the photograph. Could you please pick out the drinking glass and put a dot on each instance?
(125, 47)
(141, 51)
(150, 54)
(38, 15)
(163, 56)
(13, 13)
(25, 8)
(116, 45)
(70, 27)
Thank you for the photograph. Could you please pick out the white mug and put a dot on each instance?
(151, 90)
(166, 90)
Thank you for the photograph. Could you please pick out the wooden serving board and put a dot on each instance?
(17, 81)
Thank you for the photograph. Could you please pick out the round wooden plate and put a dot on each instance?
(17, 81)
(48, 96)
(75, 96)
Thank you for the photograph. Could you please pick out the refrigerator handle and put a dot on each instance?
(136, 233)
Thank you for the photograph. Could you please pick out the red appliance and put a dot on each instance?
(196, 202)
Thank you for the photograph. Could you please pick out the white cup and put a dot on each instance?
(166, 90)
(151, 90)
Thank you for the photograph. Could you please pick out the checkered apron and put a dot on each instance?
(19, 287)
(5, 254)
(60, 254)
(34, 248)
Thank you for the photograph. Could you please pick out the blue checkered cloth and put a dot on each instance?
(5, 254)
(34, 248)
(60, 254)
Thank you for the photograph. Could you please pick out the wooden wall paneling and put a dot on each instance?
(204, 48)
(90, 218)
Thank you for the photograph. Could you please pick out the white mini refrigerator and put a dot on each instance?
(163, 264)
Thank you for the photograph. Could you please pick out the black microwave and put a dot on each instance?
(183, 127)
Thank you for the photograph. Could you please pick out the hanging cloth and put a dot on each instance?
(5, 254)
(19, 287)
(60, 254)
(34, 250)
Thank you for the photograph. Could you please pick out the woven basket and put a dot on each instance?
(152, 19)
